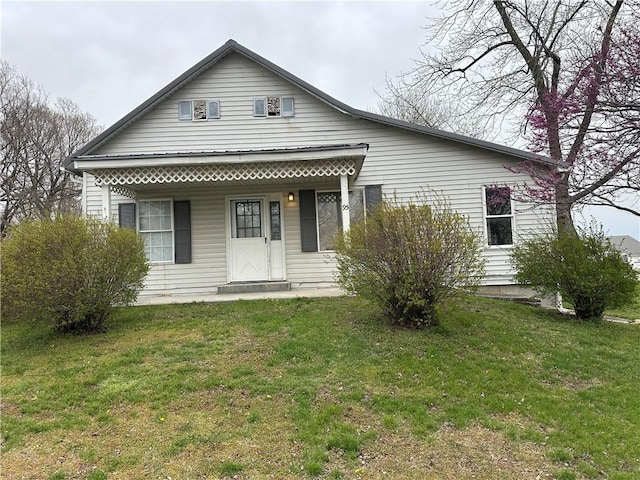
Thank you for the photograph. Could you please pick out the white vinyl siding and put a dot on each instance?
(403, 162)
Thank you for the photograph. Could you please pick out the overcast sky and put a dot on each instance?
(108, 57)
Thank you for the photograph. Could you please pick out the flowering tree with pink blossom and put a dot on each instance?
(569, 71)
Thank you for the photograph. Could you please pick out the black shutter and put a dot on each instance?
(308, 227)
(182, 225)
(127, 215)
(373, 196)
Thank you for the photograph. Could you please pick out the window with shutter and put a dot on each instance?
(198, 110)
(273, 107)
(155, 224)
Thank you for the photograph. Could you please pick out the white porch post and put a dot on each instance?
(106, 202)
(344, 195)
(83, 195)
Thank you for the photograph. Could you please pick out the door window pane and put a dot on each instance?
(248, 219)
(274, 213)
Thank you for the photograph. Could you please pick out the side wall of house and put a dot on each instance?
(403, 162)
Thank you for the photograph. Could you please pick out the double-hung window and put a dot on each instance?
(155, 224)
(499, 215)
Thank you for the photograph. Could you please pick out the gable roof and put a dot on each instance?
(626, 243)
(231, 46)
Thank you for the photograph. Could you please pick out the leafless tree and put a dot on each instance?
(35, 138)
(408, 98)
(568, 69)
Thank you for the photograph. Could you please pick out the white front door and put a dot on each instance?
(249, 248)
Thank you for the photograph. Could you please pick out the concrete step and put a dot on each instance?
(254, 287)
(527, 300)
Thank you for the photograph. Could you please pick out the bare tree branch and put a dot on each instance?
(35, 138)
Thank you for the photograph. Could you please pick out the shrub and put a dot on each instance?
(409, 259)
(585, 268)
(70, 271)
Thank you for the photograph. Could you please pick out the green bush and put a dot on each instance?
(70, 271)
(409, 259)
(585, 268)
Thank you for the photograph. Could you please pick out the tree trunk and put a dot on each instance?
(563, 209)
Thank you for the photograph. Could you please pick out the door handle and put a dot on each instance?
(265, 239)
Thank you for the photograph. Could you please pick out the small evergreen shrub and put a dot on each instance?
(409, 259)
(70, 272)
(585, 268)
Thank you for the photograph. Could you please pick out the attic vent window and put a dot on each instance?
(273, 107)
(198, 110)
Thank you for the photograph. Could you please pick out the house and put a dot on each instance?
(238, 171)
(629, 247)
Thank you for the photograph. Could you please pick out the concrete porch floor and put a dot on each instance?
(231, 297)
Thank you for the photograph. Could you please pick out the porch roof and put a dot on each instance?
(290, 165)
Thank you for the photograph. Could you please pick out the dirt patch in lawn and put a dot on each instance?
(475, 452)
(131, 448)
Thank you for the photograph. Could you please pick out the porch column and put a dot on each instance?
(106, 202)
(344, 195)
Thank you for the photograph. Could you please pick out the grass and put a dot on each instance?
(631, 311)
(322, 388)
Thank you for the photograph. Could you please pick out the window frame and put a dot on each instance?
(486, 216)
(173, 230)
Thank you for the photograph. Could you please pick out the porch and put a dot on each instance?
(211, 219)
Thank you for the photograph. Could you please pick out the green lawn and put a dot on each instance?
(323, 388)
(631, 311)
